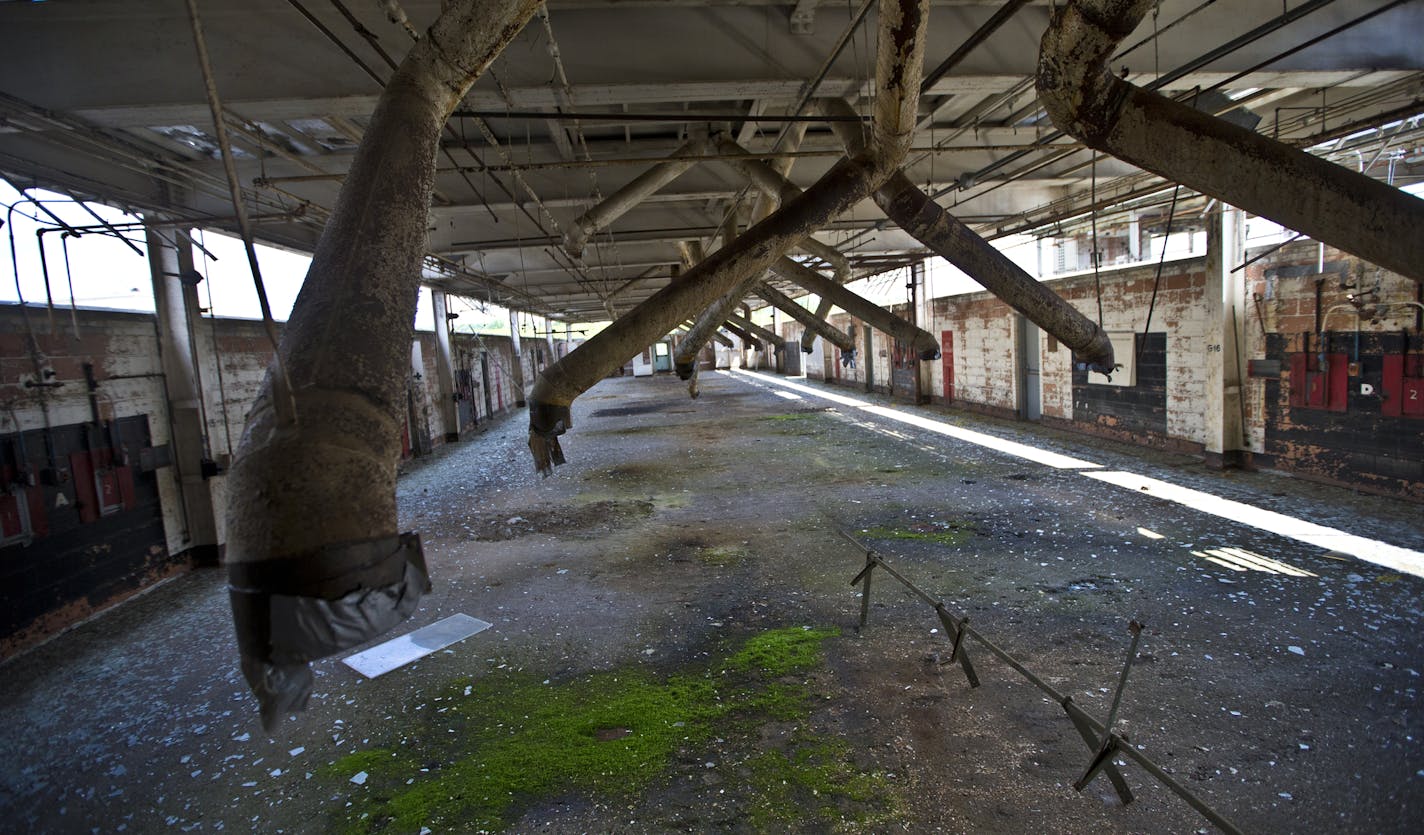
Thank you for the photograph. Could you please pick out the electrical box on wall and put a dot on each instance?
(1317, 386)
(1124, 345)
(1402, 386)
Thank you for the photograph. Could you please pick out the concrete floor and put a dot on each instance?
(1287, 699)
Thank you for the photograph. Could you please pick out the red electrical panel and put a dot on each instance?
(1314, 387)
(22, 509)
(100, 487)
(1402, 386)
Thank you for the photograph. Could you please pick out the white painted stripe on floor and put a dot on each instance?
(397, 652)
(1368, 550)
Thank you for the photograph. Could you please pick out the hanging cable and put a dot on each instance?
(69, 279)
(283, 400)
(1093, 253)
(1157, 282)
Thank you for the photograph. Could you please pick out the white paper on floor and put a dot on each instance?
(397, 652)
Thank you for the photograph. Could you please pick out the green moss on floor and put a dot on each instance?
(940, 533)
(722, 556)
(816, 786)
(501, 745)
(780, 651)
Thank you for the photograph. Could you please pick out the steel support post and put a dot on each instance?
(516, 365)
(175, 295)
(445, 365)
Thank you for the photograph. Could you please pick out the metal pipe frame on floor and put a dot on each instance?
(1328, 202)
(899, 60)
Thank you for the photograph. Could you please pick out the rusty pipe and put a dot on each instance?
(899, 60)
(918, 214)
(924, 342)
(815, 325)
(1328, 202)
(640, 188)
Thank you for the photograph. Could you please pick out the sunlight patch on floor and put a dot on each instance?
(1239, 559)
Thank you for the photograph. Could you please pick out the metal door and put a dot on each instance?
(1030, 388)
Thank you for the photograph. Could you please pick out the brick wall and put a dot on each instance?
(1351, 439)
(70, 565)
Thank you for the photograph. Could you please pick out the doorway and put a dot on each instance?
(1030, 371)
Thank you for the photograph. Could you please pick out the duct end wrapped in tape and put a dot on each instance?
(294, 610)
(547, 421)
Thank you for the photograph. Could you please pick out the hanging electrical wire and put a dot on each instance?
(284, 400)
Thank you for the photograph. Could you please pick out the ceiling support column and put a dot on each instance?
(1223, 301)
(445, 365)
(175, 296)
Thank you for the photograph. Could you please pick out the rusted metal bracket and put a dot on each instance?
(1109, 746)
(954, 630)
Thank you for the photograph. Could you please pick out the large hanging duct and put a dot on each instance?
(684, 359)
(914, 211)
(316, 560)
(774, 185)
(899, 57)
(924, 343)
(814, 325)
(749, 339)
(764, 334)
(639, 189)
(1330, 203)
(823, 312)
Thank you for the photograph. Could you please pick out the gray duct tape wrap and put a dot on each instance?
(294, 610)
